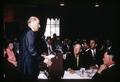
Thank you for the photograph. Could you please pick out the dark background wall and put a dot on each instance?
(78, 19)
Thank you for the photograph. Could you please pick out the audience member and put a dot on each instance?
(74, 61)
(11, 63)
(109, 71)
(93, 55)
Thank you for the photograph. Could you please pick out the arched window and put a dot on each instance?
(53, 26)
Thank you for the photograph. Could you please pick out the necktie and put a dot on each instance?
(50, 50)
(93, 52)
(77, 61)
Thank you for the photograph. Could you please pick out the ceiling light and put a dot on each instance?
(96, 5)
(62, 4)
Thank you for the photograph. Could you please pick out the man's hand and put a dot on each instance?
(48, 62)
(15, 64)
(102, 67)
(71, 71)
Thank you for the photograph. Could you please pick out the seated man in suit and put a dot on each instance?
(109, 71)
(74, 61)
(93, 56)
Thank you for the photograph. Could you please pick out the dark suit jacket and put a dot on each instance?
(40, 43)
(27, 57)
(71, 61)
(65, 48)
(109, 75)
(90, 60)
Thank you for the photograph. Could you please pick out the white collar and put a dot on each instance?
(111, 65)
(87, 49)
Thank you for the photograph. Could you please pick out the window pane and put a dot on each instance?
(53, 26)
(58, 21)
(52, 29)
(47, 32)
(48, 28)
(57, 32)
(57, 26)
(48, 21)
(57, 29)
(55, 20)
(52, 21)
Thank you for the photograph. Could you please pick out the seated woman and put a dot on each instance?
(10, 61)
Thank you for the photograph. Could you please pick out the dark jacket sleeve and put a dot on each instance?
(96, 78)
(30, 39)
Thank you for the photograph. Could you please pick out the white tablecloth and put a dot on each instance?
(76, 75)
(42, 75)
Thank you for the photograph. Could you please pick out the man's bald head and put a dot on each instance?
(34, 23)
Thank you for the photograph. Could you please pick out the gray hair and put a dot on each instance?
(32, 18)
